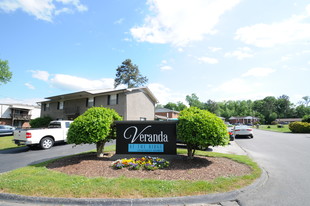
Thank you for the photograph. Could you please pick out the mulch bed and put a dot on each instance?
(200, 168)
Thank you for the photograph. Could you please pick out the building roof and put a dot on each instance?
(91, 93)
(22, 106)
(288, 119)
(246, 117)
(160, 110)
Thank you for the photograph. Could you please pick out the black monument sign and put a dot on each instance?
(146, 137)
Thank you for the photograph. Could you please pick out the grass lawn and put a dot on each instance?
(37, 180)
(6, 143)
(275, 128)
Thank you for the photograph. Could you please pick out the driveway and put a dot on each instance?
(286, 158)
(20, 157)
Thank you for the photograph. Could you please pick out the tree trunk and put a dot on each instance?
(100, 147)
(190, 152)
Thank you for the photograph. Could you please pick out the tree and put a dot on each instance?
(40, 122)
(5, 74)
(96, 125)
(179, 106)
(193, 101)
(200, 128)
(306, 101)
(129, 75)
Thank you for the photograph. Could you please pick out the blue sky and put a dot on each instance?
(218, 49)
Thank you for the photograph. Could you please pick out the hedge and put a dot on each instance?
(299, 127)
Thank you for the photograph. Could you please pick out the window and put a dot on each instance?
(60, 105)
(46, 107)
(90, 102)
(113, 99)
(68, 124)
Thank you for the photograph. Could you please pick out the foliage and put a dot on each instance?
(194, 101)
(200, 128)
(267, 110)
(96, 125)
(300, 127)
(5, 74)
(305, 101)
(40, 122)
(179, 106)
(306, 118)
(147, 163)
(129, 75)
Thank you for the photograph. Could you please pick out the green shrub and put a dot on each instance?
(306, 118)
(299, 127)
(274, 123)
(200, 128)
(94, 126)
(280, 126)
(40, 122)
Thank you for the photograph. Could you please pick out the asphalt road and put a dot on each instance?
(286, 158)
(20, 157)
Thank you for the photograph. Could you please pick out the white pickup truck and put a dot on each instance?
(45, 138)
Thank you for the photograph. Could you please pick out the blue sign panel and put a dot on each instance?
(146, 148)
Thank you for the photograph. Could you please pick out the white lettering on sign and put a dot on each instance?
(132, 133)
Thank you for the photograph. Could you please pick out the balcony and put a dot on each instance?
(21, 117)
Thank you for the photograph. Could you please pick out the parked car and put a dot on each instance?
(242, 130)
(45, 138)
(6, 130)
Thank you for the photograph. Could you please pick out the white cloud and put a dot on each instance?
(119, 21)
(258, 72)
(208, 60)
(181, 21)
(30, 86)
(240, 53)
(292, 30)
(164, 94)
(41, 9)
(214, 49)
(166, 67)
(69, 82)
(42, 75)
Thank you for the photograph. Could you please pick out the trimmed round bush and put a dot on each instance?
(299, 127)
(200, 128)
(96, 125)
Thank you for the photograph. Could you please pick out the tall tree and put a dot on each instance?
(129, 74)
(194, 101)
(305, 101)
(5, 74)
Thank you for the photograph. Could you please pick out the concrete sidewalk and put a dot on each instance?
(232, 148)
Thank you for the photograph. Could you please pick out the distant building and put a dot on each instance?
(243, 120)
(166, 114)
(288, 120)
(18, 115)
(131, 103)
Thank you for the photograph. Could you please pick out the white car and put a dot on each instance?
(242, 130)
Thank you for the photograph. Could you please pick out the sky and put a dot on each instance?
(218, 49)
